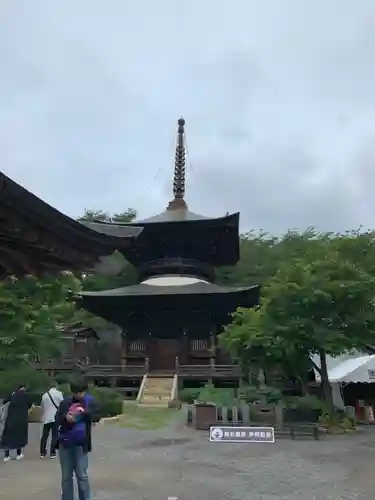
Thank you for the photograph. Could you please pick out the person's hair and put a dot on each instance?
(21, 386)
(79, 385)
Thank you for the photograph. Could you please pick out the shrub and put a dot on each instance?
(220, 397)
(110, 400)
(62, 379)
(272, 395)
(188, 395)
(249, 394)
(305, 403)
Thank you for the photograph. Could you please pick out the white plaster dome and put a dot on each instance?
(172, 280)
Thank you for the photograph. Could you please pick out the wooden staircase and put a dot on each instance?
(156, 391)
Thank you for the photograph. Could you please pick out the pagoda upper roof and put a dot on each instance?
(180, 215)
(176, 215)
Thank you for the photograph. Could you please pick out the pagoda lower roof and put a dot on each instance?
(143, 289)
(120, 305)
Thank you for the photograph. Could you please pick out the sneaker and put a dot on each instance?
(42, 456)
(7, 459)
(52, 456)
(19, 457)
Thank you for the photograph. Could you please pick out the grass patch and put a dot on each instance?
(145, 418)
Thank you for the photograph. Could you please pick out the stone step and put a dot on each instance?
(154, 384)
(156, 390)
(160, 380)
(153, 405)
(155, 398)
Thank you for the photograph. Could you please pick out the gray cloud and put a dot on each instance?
(278, 99)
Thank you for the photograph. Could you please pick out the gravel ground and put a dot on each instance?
(178, 462)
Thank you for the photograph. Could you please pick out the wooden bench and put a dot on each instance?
(302, 429)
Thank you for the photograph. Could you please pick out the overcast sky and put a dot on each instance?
(278, 97)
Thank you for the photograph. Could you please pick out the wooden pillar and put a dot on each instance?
(213, 346)
(185, 349)
(124, 350)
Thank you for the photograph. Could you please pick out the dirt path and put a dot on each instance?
(154, 465)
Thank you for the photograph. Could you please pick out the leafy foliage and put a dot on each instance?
(32, 312)
(319, 301)
(220, 397)
(37, 382)
(102, 216)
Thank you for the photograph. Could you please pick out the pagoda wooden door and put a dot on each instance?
(163, 354)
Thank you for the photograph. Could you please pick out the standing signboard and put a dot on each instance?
(229, 434)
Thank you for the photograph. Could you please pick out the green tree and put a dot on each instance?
(95, 215)
(32, 314)
(102, 216)
(320, 303)
(262, 254)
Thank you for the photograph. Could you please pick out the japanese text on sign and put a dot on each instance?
(242, 434)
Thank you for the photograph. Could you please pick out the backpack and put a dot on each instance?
(73, 434)
(4, 412)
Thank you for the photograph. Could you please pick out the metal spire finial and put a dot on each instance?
(179, 169)
(179, 165)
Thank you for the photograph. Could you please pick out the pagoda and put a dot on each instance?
(173, 315)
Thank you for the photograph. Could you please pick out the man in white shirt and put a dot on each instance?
(50, 402)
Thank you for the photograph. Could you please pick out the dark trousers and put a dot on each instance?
(19, 452)
(51, 427)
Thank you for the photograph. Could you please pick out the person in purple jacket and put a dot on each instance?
(74, 420)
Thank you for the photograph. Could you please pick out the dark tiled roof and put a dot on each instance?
(178, 215)
(41, 212)
(147, 290)
(112, 229)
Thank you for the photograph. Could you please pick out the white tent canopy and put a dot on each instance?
(350, 368)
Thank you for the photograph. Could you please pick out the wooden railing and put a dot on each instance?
(56, 364)
(94, 370)
(209, 371)
(105, 371)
